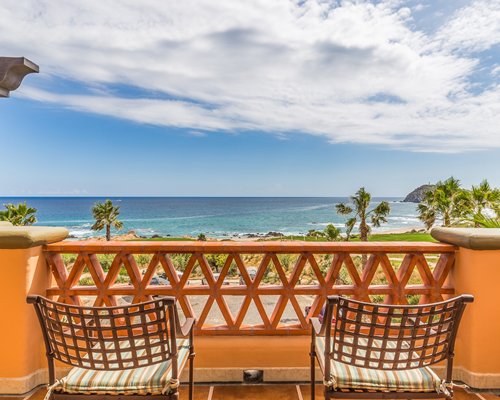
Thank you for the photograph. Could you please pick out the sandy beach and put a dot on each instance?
(403, 230)
(243, 238)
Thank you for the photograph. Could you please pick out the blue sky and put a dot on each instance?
(288, 99)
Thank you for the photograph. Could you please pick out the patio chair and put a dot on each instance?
(127, 351)
(380, 351)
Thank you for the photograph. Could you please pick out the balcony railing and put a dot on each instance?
(287, 285)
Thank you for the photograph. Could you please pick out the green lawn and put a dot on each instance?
(377, 237)
(401, 237)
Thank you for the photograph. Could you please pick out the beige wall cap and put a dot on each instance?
(470, 238)
(23, 237)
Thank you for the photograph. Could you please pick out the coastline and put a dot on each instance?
(131, 236)
(218, 218)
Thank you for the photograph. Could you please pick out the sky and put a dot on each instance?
(253, 98)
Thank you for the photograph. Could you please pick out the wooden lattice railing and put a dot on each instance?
(288, 285)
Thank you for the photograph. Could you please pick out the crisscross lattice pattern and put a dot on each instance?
(394, 337)
(289, 283)
(111, 338)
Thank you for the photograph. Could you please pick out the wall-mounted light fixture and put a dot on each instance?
(12, 72)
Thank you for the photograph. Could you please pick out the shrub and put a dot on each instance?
(86, 281)
(344, 278)
(143, 260)
(287, 261)
(233, 269)
(377, 298)
(69, 259)
(331, 233)
(324, 263)
(122, 279)
(106, 260)
(216, 261)
(315, 234)
(180, 261)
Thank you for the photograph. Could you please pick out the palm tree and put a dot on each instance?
(481, 197)
(361, 202)
(106, 216)
(448, 201)
(19, 215)
(202, 237)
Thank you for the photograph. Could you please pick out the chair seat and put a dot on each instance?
(153, 379)
(348, 377)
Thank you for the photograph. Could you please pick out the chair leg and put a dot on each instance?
(313, 375)
(174, 396)
(191, 365)
(191, 383)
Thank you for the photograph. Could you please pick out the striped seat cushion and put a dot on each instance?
(344, 376)
(153, 379)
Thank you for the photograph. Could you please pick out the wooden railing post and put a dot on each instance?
(477, 272)
(23, 271)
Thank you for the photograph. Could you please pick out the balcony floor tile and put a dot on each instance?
(260, 392)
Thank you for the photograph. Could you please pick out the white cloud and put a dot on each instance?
(348, 71)
(473, 28)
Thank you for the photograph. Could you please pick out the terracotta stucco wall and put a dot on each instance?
(23, 271)
(478, 344)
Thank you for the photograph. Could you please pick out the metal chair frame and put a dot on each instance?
(94, 338)
(408, 336)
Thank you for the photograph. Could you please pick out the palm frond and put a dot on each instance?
(19, 215)
(343, 209)
(350, 224)
(486, 222)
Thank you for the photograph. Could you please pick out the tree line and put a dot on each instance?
(454, 205)
(447, 202)
(105, 216)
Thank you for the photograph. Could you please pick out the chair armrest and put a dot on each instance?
(467, 298)
(316, 325)
(185, 329)
(32, 299)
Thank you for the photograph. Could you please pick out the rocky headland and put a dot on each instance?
(417, 195)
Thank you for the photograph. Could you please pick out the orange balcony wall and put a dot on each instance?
(23, 271)
(222, 357)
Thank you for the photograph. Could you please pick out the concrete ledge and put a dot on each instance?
(24, 237)
(24, 384)
(470, 238)
(18, 386)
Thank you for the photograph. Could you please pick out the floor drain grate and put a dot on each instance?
(253, 376)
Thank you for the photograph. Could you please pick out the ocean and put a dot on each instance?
(218, 217)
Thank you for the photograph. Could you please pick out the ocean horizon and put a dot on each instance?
(217, 217)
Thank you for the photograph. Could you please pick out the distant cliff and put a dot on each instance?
(418, 194)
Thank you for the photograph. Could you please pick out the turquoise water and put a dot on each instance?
(214, 216)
